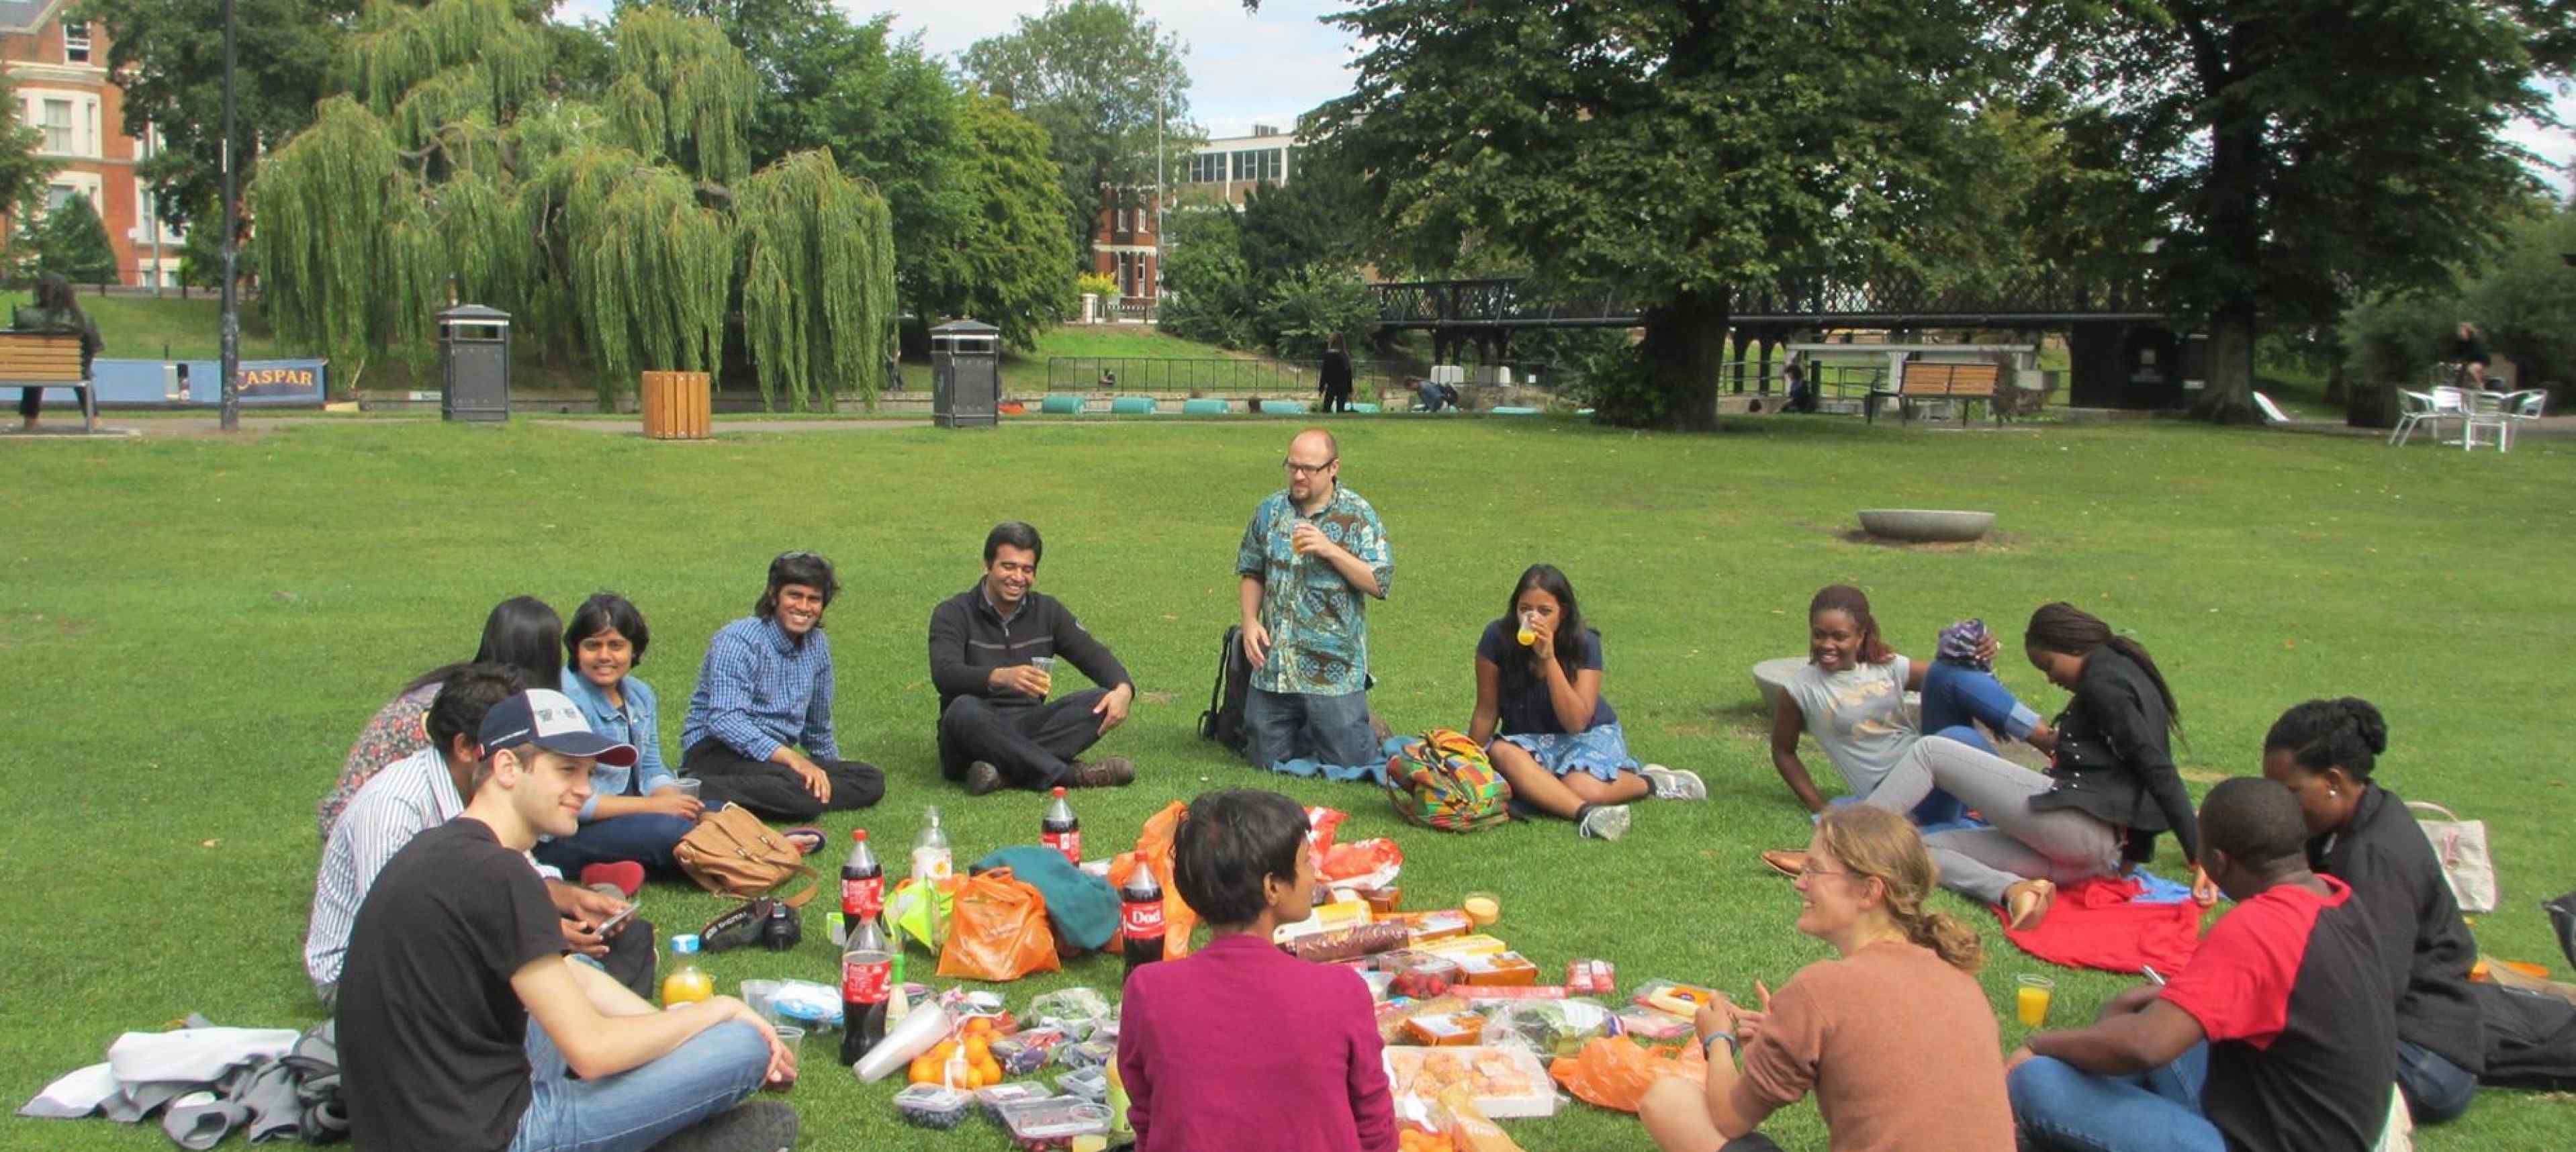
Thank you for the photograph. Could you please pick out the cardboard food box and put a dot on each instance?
(1506, 1083)
(1508, 969)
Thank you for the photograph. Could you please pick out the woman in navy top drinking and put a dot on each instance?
(1542, 720)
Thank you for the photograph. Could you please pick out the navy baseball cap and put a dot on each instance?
(550, 720)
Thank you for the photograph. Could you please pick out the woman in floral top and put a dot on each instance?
(521, 632)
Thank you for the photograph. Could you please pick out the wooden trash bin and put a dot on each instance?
(677, 405)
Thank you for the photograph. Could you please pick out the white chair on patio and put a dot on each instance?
(2486, 421)
(2415, 408)
(2522, 408)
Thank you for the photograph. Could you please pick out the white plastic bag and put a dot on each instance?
(2461, 846)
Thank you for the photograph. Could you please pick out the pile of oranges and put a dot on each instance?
(1415, 1140)
(975, 1040)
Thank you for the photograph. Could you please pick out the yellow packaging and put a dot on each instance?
(1501, 968)
(1457, 946)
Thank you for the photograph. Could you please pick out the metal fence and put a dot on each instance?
(1227, 376)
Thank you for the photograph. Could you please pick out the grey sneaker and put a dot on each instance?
(1675, 783)
(1606, 822)
(1106, 772)
(982, 779)
(755, 1126)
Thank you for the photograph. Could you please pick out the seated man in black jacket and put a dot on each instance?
(992, 652)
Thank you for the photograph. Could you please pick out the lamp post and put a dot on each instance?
(231, 324)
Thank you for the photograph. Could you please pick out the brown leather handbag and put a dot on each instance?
(731, 853)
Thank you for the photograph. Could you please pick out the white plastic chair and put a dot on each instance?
(2414, 408)
(2486, 421)
(2522, 408)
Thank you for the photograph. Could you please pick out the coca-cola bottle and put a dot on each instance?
(867, 978)
(1140, 918)
(1059, 830)
(862, 887)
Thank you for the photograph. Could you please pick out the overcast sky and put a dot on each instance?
(1266, 67)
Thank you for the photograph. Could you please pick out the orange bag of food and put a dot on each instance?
(1614, 1071)
(997, 930)
(1154, 850)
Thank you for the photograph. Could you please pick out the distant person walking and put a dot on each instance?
(2468, 349)
(1336, 384)
(56, 310)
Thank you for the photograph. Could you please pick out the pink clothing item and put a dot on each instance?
(1245, 1048)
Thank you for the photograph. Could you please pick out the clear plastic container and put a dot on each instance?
(1088, 1083)
(1055, 1121)
(933, 1106)
(1000, 1096)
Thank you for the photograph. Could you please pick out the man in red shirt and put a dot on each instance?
(2280, 1035)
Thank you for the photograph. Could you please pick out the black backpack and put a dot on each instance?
(1223, 720)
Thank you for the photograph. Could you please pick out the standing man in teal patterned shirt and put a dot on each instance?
(1312, 555)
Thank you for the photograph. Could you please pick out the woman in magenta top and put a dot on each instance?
(1242, 1046)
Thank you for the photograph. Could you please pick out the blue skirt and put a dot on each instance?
(1601, 752)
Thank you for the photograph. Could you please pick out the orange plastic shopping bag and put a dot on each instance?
(1614, 1071)
(1154, 850)
(997, 930)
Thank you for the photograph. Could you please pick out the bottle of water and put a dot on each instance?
(932, 865)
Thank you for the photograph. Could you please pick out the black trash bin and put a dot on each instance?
(966, 374)
(474, 363)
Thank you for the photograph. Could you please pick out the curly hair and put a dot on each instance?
(1876, 843)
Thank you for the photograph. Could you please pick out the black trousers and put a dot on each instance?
(1033, 745)
(30, 402)
(772, 791)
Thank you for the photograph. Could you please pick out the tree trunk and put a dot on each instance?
(1685, 343)
(2228, 396)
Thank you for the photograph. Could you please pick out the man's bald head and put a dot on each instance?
(1317, 440)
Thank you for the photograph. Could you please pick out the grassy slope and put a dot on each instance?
(195, 639)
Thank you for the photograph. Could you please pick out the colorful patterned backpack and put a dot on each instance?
(1442, 780)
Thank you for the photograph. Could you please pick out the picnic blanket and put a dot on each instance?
(2118, 925)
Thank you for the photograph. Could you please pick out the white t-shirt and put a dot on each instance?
(1858, 715)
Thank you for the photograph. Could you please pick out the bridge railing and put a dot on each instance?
(1878, 296)
(1236, 376)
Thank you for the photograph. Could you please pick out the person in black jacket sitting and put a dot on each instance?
(2110, 787)
(2362, 834)
(992, 653)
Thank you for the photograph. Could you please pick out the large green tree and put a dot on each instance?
(625, 229)
(23, 175)
(1106, 82)
(2308, 152)
(1673, 152)
(1010, 267)
(74, 242)
(168, 56)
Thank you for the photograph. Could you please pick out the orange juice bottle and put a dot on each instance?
(685, 983)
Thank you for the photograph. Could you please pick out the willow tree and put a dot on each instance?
(626, 233)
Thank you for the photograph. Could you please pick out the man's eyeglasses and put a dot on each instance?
(1297, 469)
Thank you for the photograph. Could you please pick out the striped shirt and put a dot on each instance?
(410, 796)
(759, 692)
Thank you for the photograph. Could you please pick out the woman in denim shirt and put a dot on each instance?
(638, 813)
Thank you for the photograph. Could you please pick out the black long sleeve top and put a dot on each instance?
(968, 639)
(2113, 760)
(2423, 944)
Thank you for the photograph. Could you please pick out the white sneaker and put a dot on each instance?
(1607, 822)
(1675, 783)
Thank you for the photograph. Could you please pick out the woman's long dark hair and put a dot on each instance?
(1573, 642)
(54, 294)
(2065, 628)
(522, 632)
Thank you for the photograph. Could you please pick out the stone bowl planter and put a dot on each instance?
(1771, 679)
(1926, 525)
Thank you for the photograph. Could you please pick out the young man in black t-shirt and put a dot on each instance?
(456, 949)
(2281, 1034)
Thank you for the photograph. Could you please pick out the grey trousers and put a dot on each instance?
(2062, 846)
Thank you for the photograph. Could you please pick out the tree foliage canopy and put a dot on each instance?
(1101, 77)
(623, 232)
(74, 242)
(23, 176)
(1673, 152)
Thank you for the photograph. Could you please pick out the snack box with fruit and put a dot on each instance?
(995, 1098)
(1051, 1124)
(1505, 1082)
(931, 1106)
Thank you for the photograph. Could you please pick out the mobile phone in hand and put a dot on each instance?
(614, 921)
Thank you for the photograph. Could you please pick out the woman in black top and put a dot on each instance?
(56, 310)
(2363, 835)
(2113, 757)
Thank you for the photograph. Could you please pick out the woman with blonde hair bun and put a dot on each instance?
(1893, 1035)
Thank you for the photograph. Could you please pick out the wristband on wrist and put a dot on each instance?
(1708, 1044)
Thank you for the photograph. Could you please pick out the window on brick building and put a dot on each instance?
(76, 41)
(57, 125)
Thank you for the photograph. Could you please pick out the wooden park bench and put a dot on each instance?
(1962, 384)
(48, 360)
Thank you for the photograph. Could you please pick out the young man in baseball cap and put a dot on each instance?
(456, 951)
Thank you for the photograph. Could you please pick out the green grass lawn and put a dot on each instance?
(144, 326)
(195, 628)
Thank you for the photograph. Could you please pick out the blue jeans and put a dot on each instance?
(1956, 698)
(642, 1106)
(646, 838)
(1330, 730)
(2437, 1091)
(2059, 1107)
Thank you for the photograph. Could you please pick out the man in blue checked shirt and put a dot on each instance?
(759, 731)
(1312, 558)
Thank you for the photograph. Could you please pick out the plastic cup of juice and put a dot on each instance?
(1482, 908)
(2030, 999)
(1528, 636)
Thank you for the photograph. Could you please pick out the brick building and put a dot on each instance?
(57, 71)
(1221, 172)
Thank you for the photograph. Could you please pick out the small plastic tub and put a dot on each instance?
(1054, 1122)
(933, 1106)
(1088, 1083)
(1001, 1096)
